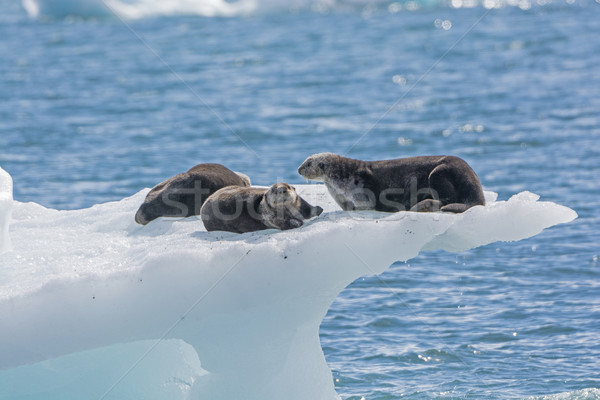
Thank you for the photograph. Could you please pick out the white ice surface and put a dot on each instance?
(239, 314)
(6, 202)
(152, 8)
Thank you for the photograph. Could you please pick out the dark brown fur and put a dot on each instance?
(247, 209)
(426, 183)
(184, 194)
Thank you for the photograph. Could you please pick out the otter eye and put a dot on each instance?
(321, 165)
(308, 164)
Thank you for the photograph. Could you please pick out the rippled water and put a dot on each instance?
(94, 109)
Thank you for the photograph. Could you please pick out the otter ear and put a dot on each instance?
(321, 165)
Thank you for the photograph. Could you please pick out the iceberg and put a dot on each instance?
(190, 314)
(134, 9)
(6, 200)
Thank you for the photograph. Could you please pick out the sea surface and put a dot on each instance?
(96, 104)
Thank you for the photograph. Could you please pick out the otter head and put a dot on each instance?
(281, 194)
(318, 166)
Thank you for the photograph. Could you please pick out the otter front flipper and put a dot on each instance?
(455, 207)
(307, 211)
(428, 205)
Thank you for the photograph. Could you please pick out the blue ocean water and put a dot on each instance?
(94, 108)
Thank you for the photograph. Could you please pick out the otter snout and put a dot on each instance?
(281, 193)
(280, 190)
(309, 171)
(303, 169)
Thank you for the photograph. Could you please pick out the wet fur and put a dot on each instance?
(397, 185)
(177, 196)
(240, 209)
